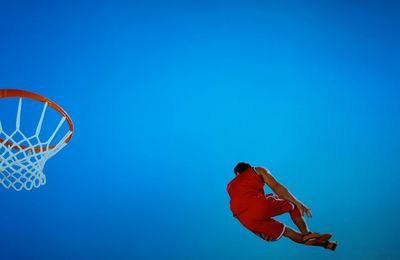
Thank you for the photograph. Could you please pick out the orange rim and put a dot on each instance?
(16, 93)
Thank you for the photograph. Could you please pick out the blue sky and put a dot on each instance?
(167, 97)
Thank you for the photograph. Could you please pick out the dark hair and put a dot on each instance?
(240, 167)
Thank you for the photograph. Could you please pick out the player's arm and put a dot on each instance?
(278, 188)
(281, 190)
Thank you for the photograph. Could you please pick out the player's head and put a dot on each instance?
(241, 167)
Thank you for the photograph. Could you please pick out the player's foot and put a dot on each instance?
(316, 236)
(331, 245)
(318, 241)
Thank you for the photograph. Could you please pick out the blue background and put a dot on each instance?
(167, 97)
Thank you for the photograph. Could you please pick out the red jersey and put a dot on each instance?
(244, 189)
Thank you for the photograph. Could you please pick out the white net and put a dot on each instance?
(22, 158)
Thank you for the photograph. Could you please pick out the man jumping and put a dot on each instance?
(255, 209)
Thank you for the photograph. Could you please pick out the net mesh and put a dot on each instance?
(22, 158)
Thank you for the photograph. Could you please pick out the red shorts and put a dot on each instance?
(258, 217)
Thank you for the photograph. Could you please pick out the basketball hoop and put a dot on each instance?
(23, 157)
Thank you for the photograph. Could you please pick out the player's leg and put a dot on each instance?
(293, 235)
(299, 220)
(280, 206)
(298, 238)
(271, 229)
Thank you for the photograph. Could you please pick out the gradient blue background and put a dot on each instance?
(167, 97)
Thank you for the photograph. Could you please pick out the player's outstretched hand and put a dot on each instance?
(304, 210)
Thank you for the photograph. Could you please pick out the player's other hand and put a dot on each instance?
(304, 210)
